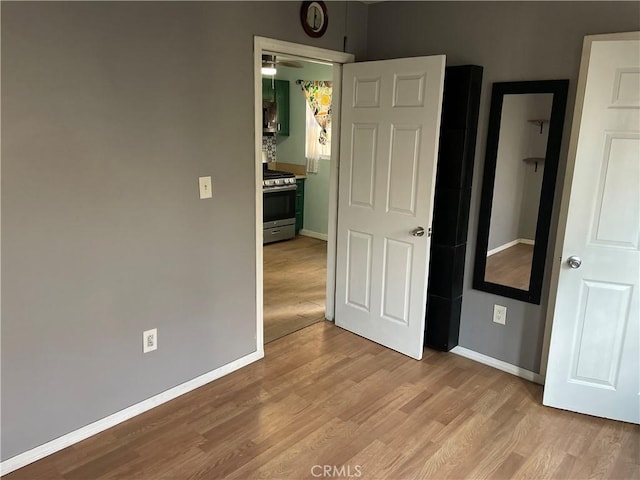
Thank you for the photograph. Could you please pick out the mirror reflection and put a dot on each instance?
(518, 184)
(520, 161)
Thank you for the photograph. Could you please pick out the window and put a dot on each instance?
(314, 150)
(318, 122)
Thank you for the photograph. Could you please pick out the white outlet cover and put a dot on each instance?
(149, 340)
(500, 314)
(206, 190)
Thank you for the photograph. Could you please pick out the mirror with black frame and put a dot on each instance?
(521, 164)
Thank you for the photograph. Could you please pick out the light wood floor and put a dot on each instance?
(323, 396)
(295, 274)
(511, 266)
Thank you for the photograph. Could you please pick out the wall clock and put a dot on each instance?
(313, 16)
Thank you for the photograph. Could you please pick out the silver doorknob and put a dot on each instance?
(574, 261)
(417, 232)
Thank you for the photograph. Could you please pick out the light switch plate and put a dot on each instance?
(206, 190)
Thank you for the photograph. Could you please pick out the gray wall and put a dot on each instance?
(534, 171)
(513, 41)
(532, 186)
(110, 112)
(291, 149)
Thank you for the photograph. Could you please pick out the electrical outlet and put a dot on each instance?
(500, 314)
(149, 340)
(206, 190)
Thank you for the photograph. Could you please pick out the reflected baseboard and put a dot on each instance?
(526, 241)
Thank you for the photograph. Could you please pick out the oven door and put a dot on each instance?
(278, 203)
(279, 213)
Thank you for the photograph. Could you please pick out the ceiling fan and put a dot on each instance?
(269, 63)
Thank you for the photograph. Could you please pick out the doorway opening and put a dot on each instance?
(295, 274)
(295, 219)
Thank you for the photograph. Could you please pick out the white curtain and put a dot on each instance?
(318, 121)
(312, 146)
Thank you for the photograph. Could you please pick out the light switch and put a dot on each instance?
(205, 187)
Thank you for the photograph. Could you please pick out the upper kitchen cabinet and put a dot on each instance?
(282, 100)
(278, 91)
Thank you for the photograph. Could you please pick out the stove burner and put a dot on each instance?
(276, 174)
(273, 178)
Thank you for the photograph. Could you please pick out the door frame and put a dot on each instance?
(568, 182)
(260, 45)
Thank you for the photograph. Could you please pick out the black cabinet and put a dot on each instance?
(460, 106)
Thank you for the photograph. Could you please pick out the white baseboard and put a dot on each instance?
(493, 251)
(98, 426)
(499, 364)
(526, 241)
(309, 233)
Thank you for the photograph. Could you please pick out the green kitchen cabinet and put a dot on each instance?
(282, 100)
(267, 90)
(299, 204)
(278, 91)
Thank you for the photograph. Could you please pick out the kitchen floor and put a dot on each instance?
(295, 274)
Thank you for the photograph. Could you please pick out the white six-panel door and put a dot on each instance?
(389, 146)
(594, 357)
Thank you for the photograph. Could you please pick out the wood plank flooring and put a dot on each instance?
(511, 267)
(295, 274)
(323, 396)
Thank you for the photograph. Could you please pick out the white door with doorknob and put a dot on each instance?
(594, 356)
(388, 155)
